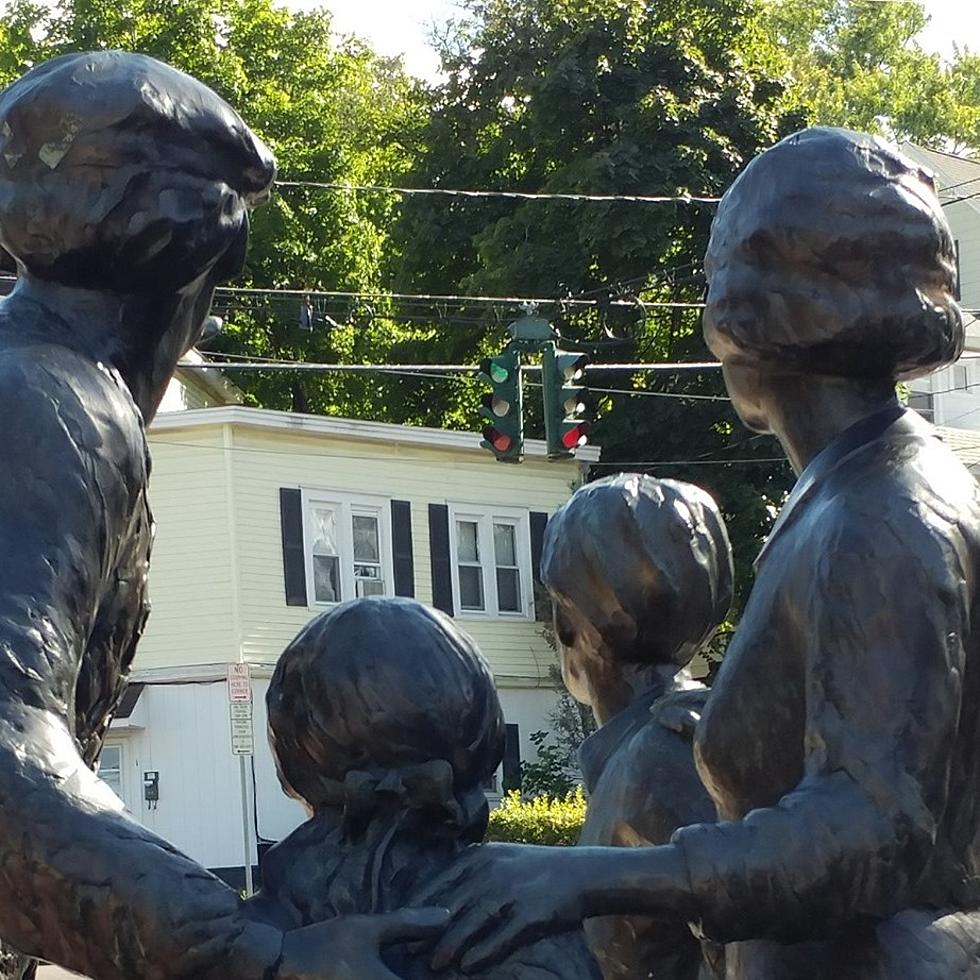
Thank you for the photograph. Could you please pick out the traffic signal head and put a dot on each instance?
(568, 406)
(504, 437)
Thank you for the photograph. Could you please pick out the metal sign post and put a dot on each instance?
(242, 745)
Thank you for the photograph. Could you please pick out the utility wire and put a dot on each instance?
(959, 200)
(284, 365)
(504, 195)
(446, 298)
(424, 460)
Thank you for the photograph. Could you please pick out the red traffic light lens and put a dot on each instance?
(576, 436)
(497, 439)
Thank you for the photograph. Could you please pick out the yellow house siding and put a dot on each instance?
(263, 461)
(191, 575)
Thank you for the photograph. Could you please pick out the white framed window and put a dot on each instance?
(115, 769)
(348, 546)
(490, 550)
(111, 768)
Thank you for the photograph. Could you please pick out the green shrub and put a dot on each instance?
(541, 820)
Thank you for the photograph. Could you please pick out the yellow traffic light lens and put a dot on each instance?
(500, 407)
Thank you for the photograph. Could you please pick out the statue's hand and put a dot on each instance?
(679, 711)
(347, 948)
(502, 897)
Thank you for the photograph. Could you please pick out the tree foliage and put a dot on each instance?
(860, 65)
(601, 97)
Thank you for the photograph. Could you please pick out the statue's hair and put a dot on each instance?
(831, 255)
(379, 685)
(646, 562)
(119, 172)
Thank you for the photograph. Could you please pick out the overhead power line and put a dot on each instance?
(504, 195)
(284, 365)
(961, 199)
(452, 298)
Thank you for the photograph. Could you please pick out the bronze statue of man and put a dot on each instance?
(124, 193)
(839, 741)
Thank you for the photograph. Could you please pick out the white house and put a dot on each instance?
(951, 398)
(265, 519)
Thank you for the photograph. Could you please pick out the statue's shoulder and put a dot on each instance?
(59, 391)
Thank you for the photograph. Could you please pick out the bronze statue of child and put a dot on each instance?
(640, 573)
(384, 721)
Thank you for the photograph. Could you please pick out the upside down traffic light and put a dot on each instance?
(567, 403)
(504, 436)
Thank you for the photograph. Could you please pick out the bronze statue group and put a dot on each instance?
(813, 815)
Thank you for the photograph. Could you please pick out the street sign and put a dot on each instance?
(242, 738)
(239, 683)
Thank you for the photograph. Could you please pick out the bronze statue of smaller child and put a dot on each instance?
(640, 572)
(384, 721)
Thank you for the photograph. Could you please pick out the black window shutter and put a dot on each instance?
(512, 759)
(293, 552)
(442, 578)
(401, 546)
(538, 522)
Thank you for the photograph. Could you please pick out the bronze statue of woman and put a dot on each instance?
(839, 742)
(124, 193)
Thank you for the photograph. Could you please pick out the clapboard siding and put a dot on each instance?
(264, 461)
(191, 574)
(964, 222)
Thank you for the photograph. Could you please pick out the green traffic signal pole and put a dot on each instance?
(554, 413)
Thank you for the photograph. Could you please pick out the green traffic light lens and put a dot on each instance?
(498, 373)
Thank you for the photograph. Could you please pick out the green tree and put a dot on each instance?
(861, 65)
(599, 97)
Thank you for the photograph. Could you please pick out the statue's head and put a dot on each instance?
(830, 255)
(120, 173)
(384, 702)
(640, 573)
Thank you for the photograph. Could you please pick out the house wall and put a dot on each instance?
(263, 462)
(956, 390)
(964, 222)
(217, 589)
(193, 618)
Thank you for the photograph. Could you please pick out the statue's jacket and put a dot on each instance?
(642, 785)
(839, 742)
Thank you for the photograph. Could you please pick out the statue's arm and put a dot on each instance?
(881, 613)
(85, 886)
(883, 623)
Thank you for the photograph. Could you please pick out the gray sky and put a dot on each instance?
(402, 26)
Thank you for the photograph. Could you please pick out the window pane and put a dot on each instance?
(326, 578)
(365, 538)
(466, 541)
(324, 531)
(503, 544)
(470, 587)
(508, 590)
(110, 768)
(367, 571)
